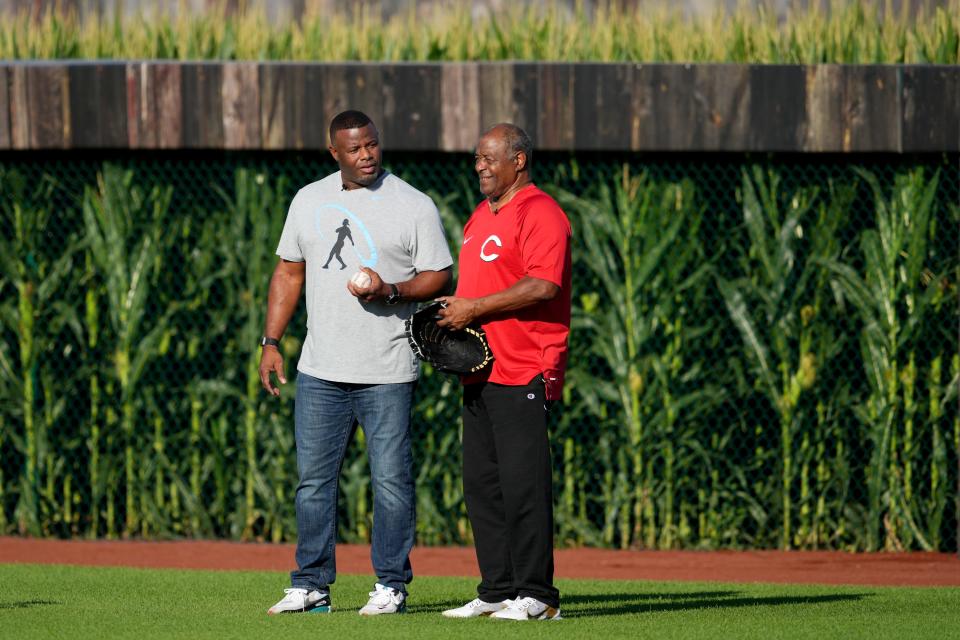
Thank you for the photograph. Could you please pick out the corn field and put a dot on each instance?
(859, 31)
(764, 353)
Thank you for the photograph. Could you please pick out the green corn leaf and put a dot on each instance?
(737, 308)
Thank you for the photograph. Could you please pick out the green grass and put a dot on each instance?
(80, 602)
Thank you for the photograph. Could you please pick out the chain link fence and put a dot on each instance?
(764, 351)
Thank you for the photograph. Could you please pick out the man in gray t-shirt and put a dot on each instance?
(366, 246)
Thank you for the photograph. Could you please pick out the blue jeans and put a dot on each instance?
(325, 414)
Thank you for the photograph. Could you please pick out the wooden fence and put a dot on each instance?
(444, 106)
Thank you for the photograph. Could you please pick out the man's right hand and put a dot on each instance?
(457, 312)
(271, 361)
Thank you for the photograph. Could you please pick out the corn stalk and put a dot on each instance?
(895, 297)
(641, 249)
(128, 260)
(773, 306)
(709, 475)
(40, 316)
(255, 212)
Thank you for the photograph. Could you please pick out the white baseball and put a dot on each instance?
(360, 280)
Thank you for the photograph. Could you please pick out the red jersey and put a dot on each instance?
(529, 236)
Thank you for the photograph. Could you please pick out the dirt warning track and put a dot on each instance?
(800, 567)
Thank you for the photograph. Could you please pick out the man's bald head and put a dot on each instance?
(517, 140)
(502, 160)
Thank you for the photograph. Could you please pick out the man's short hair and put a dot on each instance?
(516, 138)
(348, 120)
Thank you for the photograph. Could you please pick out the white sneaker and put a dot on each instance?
(476, 608)
(527, 609)
(384, 600)
(299, 600)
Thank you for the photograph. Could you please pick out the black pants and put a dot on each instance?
(508, 487)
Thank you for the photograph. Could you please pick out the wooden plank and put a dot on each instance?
(460, 107)
(930, 108)
(851, 109)
(721, 108)
(525, 98)
(615, 101)
(871, 109)
(166, 116)
(240, 96)
(643, 92)
(556, 95)
(602, 102)
(307, 121)
(509, 92)
(366, 93)
(84, 103)
(19, 109)
(352, 86)
(662, 107)
(5, 141)
(98, 105)
(48, 100)
(411, 118)
(113, 121)
(335, 89)
(496, 93)
(202, 106)
(342, 87)
(777, 107)
(275, 104)
(136, 105)
(154, 105)
(824, 86)
(586, 89)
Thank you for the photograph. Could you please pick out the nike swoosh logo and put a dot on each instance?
(466, 240)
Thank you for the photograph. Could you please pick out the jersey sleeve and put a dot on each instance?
(289, 247)
(544, 239)
(430, 251)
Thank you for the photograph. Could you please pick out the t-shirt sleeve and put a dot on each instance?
(430, 251)
(289, 247)
(544, 238)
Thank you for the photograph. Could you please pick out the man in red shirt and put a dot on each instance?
(515, 282)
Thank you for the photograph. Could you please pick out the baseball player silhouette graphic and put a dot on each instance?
(342, 233)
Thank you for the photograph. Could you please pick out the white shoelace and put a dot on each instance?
(382, 596)
(522, 604)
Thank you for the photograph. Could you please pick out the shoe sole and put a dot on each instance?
(401, 610)
(549, 614)
(321, 609)
(485, 614)
(326, 609)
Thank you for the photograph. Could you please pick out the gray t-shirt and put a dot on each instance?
(389, 227)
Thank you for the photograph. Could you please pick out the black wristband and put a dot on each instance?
(394, 296)
(271, 342)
